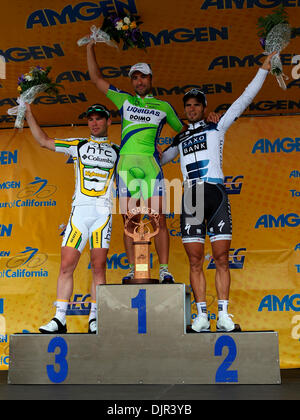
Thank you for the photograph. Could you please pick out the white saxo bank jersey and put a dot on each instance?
(201, 146)
(94, 159)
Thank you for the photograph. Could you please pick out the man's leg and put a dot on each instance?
(220, 251)
(161, 240)
(98, 266)
(127, 204)
(69, 261)
(195, 253)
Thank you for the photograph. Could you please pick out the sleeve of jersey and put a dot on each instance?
(117, 96)
(169, 154)
(173, 119)
(66, 146)
(239, 106)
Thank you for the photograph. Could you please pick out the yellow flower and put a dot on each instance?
(133, 25)
(19, 88)
(125, 27)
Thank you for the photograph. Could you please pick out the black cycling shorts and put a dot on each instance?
(205, 210)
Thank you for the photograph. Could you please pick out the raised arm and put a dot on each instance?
(94, 72)
(238, 107)
(39, 135)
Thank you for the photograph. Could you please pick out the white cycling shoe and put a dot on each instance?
(129, 276)
(165, 277)
(225, 322)
(53, 327)
(93, 326)
(201, 323)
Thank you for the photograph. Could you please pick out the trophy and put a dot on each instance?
(141, 236)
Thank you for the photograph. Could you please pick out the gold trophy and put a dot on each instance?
(142, 236)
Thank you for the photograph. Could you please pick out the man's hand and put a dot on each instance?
(213, 117)
(267, 63)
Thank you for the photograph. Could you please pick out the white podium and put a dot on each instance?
(142, 338)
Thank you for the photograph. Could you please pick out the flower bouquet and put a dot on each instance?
(275, 34)
(29, 86)
(115, 29)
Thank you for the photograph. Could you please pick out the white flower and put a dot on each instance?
(119, 25)
(127, 20)
(28, 77)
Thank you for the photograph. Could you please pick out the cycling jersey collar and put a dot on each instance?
(193, 126)
(149, 95)
(98, 139)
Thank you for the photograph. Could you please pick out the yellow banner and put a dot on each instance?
(262, 177)
(211, 44)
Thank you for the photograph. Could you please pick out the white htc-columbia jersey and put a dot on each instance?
(201, 146)
(95, 161)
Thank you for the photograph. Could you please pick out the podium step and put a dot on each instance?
(142, 338)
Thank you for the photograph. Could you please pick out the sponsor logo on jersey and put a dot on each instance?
(195, 144)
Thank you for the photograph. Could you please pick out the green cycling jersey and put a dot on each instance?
(142, 121)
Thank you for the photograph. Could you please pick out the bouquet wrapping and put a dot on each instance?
(97, 35)
(275, 34)
(115, 29)
(28, 96)
(29, 86)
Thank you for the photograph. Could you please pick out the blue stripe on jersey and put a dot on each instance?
(128, 135)
(197, 165)
(112, 87)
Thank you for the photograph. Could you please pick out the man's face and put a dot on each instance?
(98, 124)
(194, 110)
(141, 83)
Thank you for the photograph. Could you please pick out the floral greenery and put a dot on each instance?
(126, 29)
(38, 76)
(265, 24)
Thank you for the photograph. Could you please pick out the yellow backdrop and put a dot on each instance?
(261, 167)
(211, 44)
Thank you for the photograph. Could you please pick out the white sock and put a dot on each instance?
(93, 311)
(61, 309)
(223, 306)
(201, 308)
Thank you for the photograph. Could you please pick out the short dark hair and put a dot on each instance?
(195, 93)
(98, 108)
